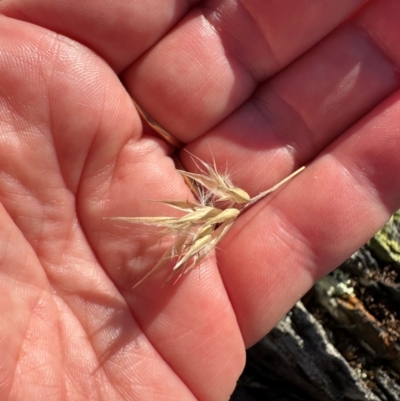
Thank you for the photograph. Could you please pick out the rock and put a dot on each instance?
(386, 243)
(298, 356)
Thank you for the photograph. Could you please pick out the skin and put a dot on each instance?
(261, 87)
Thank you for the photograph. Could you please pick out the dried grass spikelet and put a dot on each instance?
(205, 221)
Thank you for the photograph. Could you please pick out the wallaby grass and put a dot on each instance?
(205, 222)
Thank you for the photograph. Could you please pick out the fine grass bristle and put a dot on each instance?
(205, 221)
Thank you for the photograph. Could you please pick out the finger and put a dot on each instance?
(327, 209)
(314, 223)
(119, 31)
(297, 113)
(218, 54)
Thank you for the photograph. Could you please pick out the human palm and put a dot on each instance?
(236, 83)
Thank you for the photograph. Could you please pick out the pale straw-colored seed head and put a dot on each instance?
(202, 227)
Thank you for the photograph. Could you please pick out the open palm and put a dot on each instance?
(260, 86)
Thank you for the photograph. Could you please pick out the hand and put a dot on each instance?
(256, 85)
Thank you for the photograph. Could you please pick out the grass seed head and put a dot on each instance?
(202, 227)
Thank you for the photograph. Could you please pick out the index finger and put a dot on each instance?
(214, 59)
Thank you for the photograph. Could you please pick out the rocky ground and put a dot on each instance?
(341, 342)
